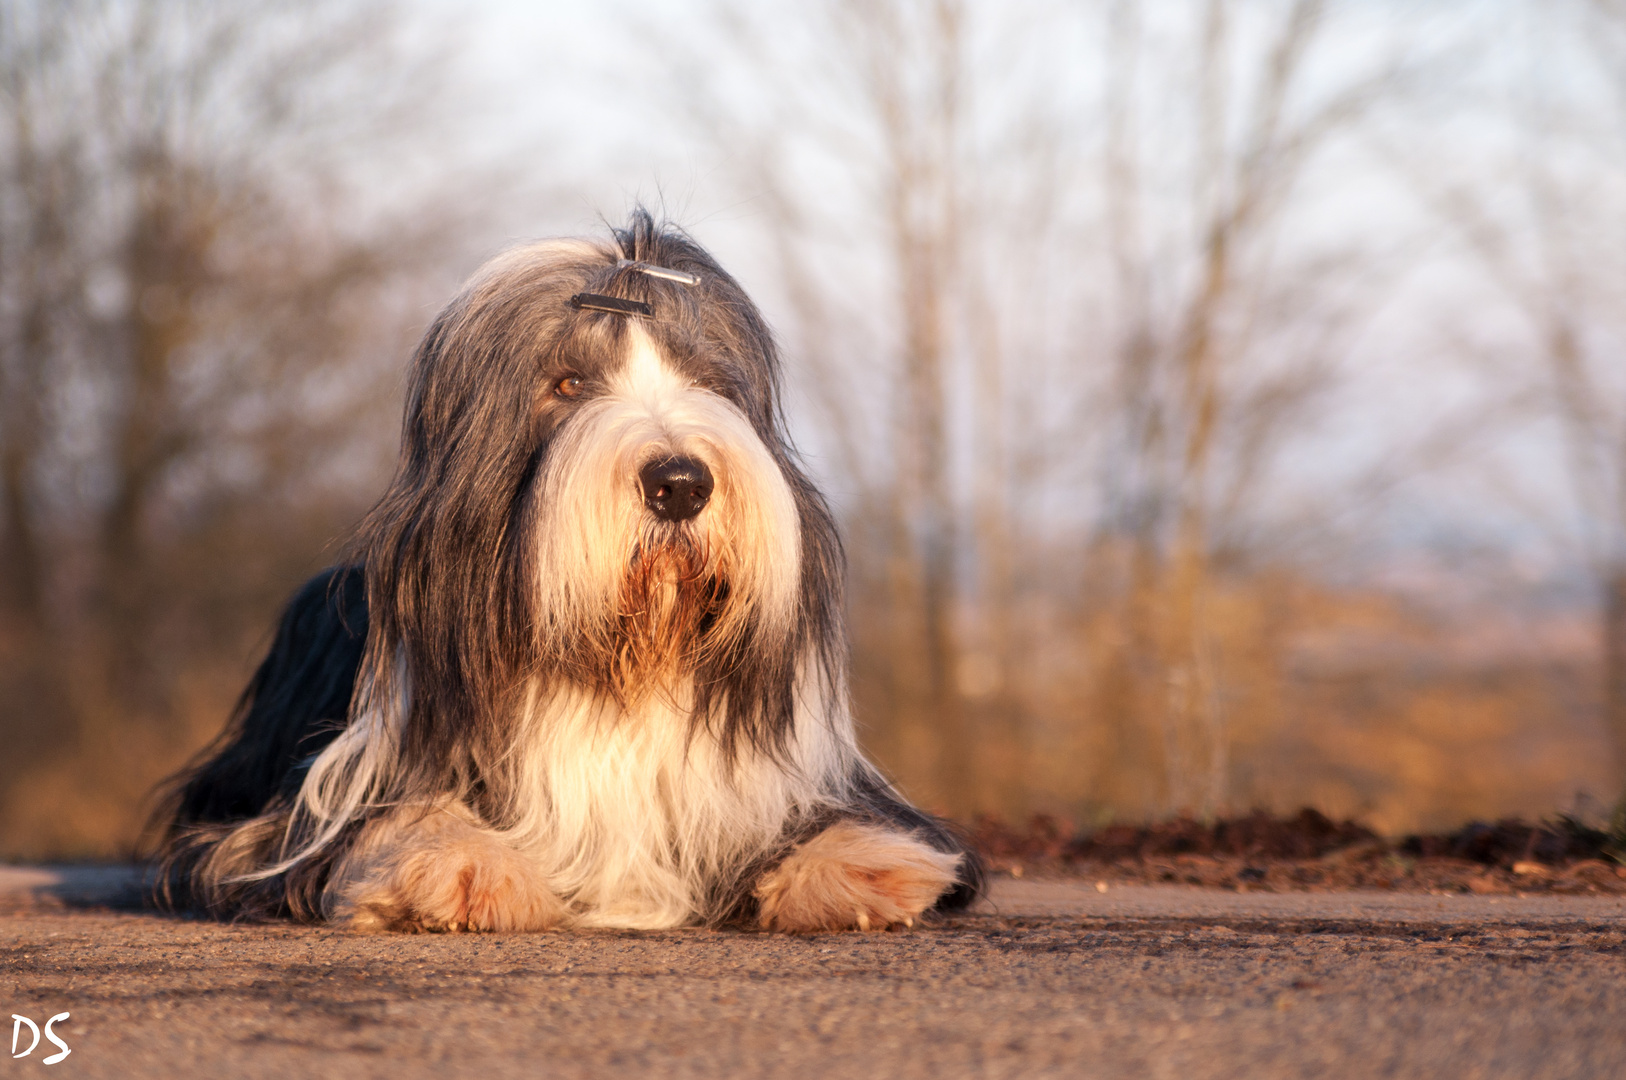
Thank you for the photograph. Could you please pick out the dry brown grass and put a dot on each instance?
(1353, 701)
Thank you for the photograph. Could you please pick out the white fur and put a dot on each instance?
(347, 777)
(628, 819)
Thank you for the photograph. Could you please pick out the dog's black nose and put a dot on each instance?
(677, 488)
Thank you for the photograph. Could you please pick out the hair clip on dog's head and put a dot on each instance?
(662, 272)
(617, 306)
(587, 301)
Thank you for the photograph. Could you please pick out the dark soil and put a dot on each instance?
(1311, 852)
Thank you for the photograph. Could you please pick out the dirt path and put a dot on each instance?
(1056, 979)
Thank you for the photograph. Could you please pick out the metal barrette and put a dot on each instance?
(662, 272)
(586, 301)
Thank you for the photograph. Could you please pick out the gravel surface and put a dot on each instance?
(1051, 979)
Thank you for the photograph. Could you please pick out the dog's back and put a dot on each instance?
(296, 703)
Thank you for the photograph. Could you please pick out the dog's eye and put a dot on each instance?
(568, 387)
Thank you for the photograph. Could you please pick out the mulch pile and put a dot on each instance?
(1309, 852)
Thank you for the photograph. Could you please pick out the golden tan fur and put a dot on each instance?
(854, 876)
(661, 632)
(440, 872)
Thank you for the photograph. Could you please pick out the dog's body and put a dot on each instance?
(587, 666)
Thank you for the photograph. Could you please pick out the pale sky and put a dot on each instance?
(566, 93)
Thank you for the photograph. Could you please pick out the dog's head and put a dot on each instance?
(595, 486)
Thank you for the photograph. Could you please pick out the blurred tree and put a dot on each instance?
(1225, 337)
(1057, 333)
(1546, 225)
(1592, 395)
(203, 229)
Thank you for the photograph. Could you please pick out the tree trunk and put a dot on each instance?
(1614, 662)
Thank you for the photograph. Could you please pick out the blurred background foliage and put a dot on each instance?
(1225, 400)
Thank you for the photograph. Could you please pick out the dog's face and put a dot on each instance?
(665, 526)
(602, 497)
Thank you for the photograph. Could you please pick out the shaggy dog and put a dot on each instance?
(585, 663)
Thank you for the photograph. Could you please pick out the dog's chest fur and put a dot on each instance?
(636, 822)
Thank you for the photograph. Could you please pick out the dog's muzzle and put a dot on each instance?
(676, 488)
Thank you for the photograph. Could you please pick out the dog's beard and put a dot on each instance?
(673, 604)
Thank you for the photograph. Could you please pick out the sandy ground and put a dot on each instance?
(1048, 979)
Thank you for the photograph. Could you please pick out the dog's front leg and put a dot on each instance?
(854, 876)
(439, 870)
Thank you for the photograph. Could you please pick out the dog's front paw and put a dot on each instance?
(449, 878)
(854, 876)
